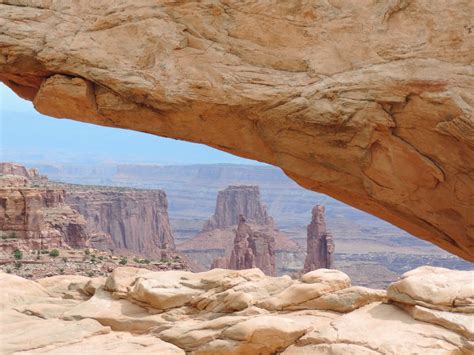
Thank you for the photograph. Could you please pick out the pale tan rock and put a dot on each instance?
(370, 104)
(65, 286)
(162, 291)
(192, 334)
(120, 315)
(462, 323)
(387, 329)
(329, 349)
(32, 333)
(18, 291)
(122, 279)
(47, 308)
(113, 343)
(264, 334)
(314, 284)
(327, 276)
(436, 288)
(93, 284)
(345, 300)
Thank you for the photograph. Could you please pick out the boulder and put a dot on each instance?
(436, 288)
(386, 329)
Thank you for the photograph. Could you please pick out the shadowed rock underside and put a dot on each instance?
(369, 103)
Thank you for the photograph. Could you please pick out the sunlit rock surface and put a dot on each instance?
(370, 103)
(229, 312)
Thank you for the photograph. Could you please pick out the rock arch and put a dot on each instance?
(370, 104)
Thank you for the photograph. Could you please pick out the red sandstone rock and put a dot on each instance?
(37, 218)
(253, 248)
(214, 242)
(20, 170)
(136, 220)
(235, 201)
(320, 245)
(221, 262)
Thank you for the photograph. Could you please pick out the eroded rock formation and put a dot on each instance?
(237, 312)
(235, 201)
(37, 218)
(253, 248)
(320, 244)
(219, 233)
(135, 220)
(369, 104)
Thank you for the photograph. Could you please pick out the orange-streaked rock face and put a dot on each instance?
(370, 104)
(319, 242)
(136, 220)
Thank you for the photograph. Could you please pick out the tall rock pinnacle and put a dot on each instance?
(320, 245)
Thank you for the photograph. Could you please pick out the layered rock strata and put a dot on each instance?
(235, 201)
(135, 220)
(218, 243)
(20, 170)
(37, 218)
(253, 248)
(320, 244)
(136, 311)
(369, 104)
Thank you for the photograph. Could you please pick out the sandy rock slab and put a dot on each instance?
(435, 288)
(381, 329)
(113, 343)
(222, 312)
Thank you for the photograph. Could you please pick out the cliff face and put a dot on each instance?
(34, 218)
(136, 220)
(218, 242)
(369, 104)
(320, 244)
(235, 201)
(253, 248)
(19, 170)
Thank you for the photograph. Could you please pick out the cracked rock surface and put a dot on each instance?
(371, 104)
(230, 312)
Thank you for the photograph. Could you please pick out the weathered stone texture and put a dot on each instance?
(369, 102)
(320, 244)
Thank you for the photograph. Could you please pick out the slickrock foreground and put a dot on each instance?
(369, 102)
(429, 310)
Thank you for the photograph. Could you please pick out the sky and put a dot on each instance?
(27, 136)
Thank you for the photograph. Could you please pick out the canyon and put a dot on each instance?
(252, 249)
(372, 252)
(39, 214)
(134, 220)
(240, 215)
(34, 217)
(370, 104)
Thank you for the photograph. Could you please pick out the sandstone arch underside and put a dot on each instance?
(370, 102)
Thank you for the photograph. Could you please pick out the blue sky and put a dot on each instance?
(27, 136)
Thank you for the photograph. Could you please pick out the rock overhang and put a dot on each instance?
(372, 105)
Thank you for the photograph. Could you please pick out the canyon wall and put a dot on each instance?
(213, 244)
(136, 220)
(320, 244)
(369, 104)
(235, 201)
(253, 248)
(37, 218)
